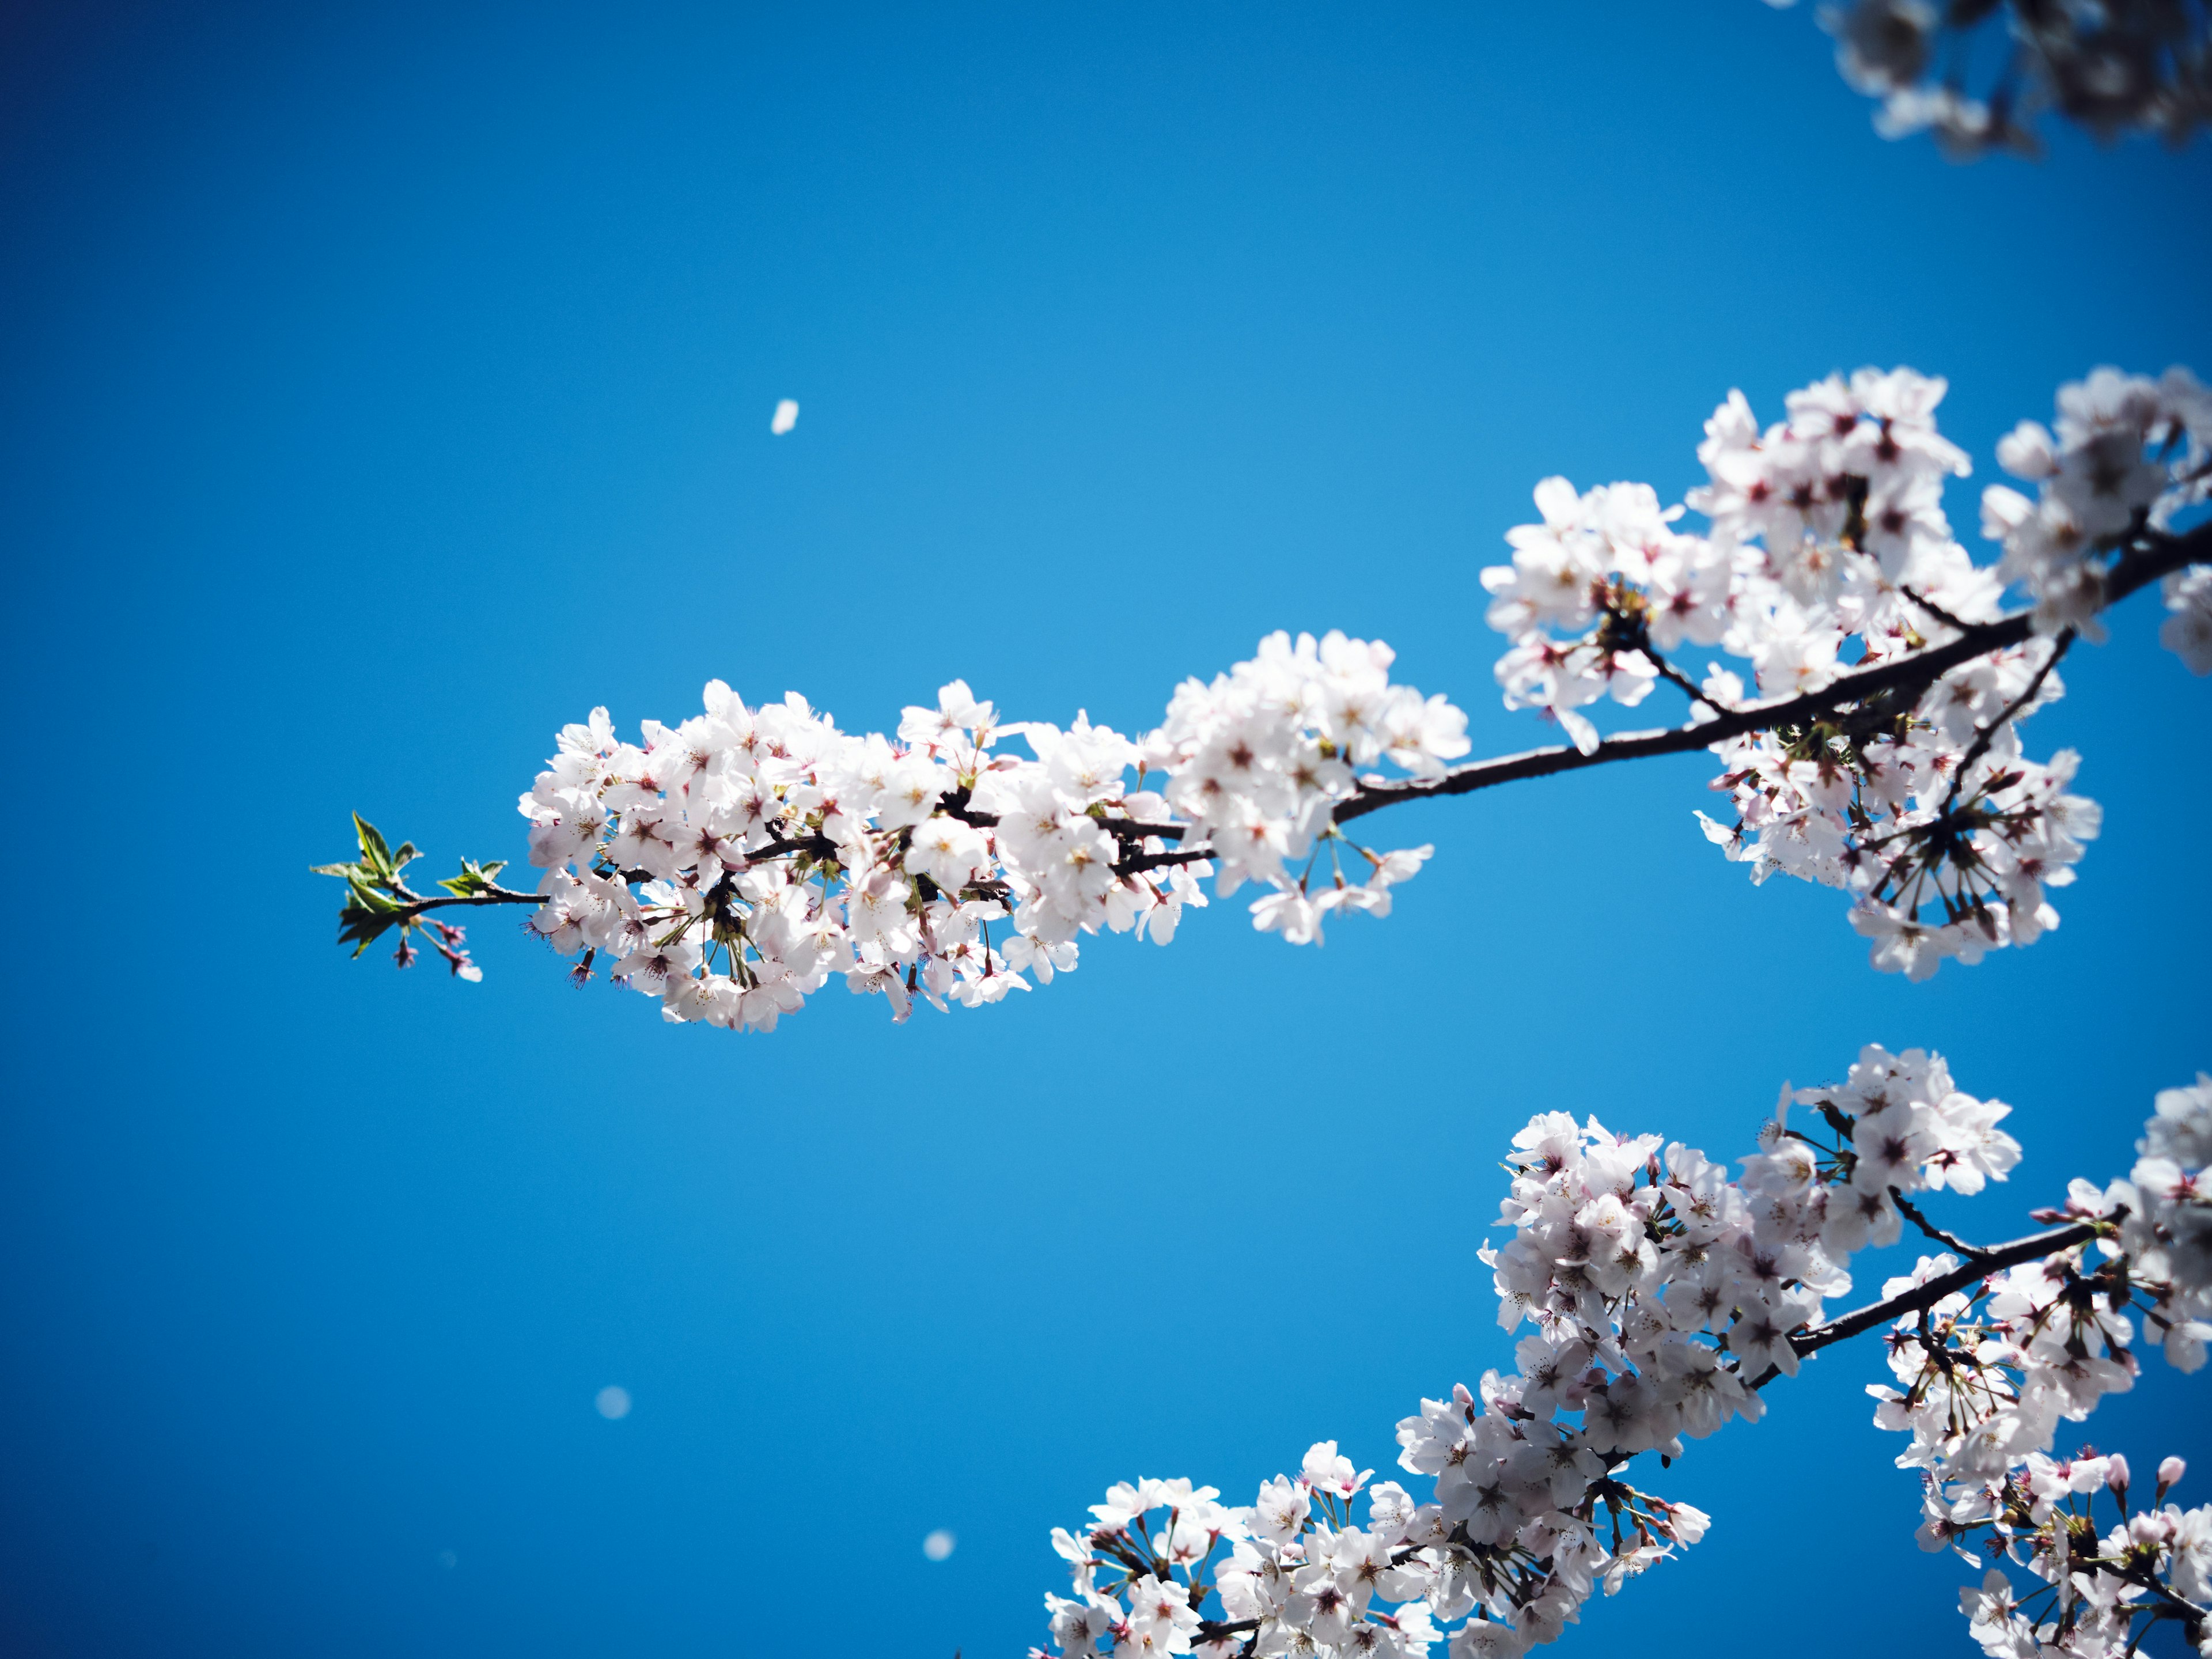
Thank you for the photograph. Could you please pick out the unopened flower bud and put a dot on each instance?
(2170, 1472)
(2116, 1472)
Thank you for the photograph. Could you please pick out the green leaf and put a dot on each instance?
(373, 903)
(371, 898)
(362, 923)
(474, 879)
(374, 852)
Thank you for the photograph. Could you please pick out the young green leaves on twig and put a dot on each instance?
(378, 899)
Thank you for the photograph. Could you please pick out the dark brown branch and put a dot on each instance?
(1981, 1266)
(1130, 829)
(2155, 555)
(414, 904)
(1142, 862)
(1212, 1630)
(955, 805)
(816, 845)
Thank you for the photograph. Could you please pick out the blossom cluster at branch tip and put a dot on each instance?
(1984, 1375)
(2113, 67)
(1827, 552)
(730, 865)
(1662, 1294)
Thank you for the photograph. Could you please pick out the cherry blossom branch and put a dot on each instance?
(2154, 555)
(730, 865)
(1657, 1287)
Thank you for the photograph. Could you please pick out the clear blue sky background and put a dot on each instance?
(382, 387)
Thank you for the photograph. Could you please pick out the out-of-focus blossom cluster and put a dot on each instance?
(1660, 1292)
(2112, 66)
(2187, 630)
(1826, 551)
(2169, 1231)
(2127, 452)
(730, 865)
(1984, 1375)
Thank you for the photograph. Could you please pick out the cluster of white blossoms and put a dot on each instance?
(2112, 66)
(1985, 1374)
(1260, 760)
(733, 864)
(1663, 1294)
(2093, 1596)
(1827, 553)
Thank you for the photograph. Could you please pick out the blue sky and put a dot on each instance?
(383, 387)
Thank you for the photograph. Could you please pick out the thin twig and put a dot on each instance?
(415, 903)
(1935, 610)
(1911, 1211)
(1674, 676)
(1988, 734)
